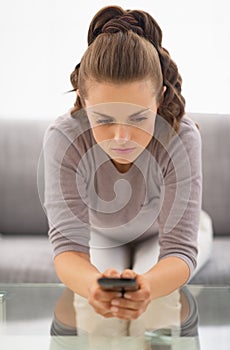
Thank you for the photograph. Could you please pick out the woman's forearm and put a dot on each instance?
(76, 271)
(167, 275)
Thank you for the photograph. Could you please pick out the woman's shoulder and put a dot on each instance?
(187, 124)
(69, 127)
(189, 132)
(168, 144)
(165, 136)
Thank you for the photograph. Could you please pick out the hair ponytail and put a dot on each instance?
(101, 18)
(172, 106)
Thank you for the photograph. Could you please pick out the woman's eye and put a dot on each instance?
(138, 119)
(104, 121)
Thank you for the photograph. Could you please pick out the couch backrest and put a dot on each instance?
(21, 211)
(215, 134)
(20, 208)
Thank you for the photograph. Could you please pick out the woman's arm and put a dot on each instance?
(66, 205)
(166, 276)
(67, 213)
(76, 271)
(178, 227)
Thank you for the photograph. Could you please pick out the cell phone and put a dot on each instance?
(118, 284)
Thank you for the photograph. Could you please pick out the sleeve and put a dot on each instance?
(181, 196)
(65, 199)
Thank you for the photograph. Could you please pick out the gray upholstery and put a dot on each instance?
(215, 133)
(26, 254)
(217, 269)
(20, 207)
(26, 259)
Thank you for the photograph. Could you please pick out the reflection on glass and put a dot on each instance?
(168, 323)
(64, 321)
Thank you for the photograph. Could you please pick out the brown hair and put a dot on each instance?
(125, 46)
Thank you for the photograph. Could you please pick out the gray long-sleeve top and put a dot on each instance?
(89, 203)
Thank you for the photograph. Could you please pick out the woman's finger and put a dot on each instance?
(128, 274)
(97, 293)
(139, 295)
(106, 312)
(125, 304)
(127, 314)
(111, 273)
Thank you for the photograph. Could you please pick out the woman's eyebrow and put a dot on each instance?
(132, 115)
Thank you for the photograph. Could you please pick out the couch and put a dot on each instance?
(25, 252)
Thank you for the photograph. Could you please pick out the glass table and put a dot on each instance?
(42, 316)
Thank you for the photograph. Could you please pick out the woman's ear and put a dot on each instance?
(164, 89)
(80, 98)
(161, 96)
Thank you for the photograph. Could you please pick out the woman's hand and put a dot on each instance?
(133, 304)
(113, 304)
(101, 300)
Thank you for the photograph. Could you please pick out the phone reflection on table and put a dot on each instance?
(163, 327)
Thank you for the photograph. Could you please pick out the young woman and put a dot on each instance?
(123, 176)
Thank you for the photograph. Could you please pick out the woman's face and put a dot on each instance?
(122, 118)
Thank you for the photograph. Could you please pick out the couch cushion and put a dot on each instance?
(215, 130)
(217, 270)
(26, 259)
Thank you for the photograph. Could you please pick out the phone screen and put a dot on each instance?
(118, 284)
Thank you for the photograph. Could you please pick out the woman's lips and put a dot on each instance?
(123, 150)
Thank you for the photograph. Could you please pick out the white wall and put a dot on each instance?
(41, 42)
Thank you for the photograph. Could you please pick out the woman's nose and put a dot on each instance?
(121, 133)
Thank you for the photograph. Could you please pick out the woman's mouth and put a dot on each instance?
(123, 150)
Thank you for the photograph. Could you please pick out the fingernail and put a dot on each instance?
(114, 309)
(119, 295)
(127, 296)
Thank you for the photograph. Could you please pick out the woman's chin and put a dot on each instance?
(121, 166)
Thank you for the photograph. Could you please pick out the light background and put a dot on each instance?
(42, 41)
